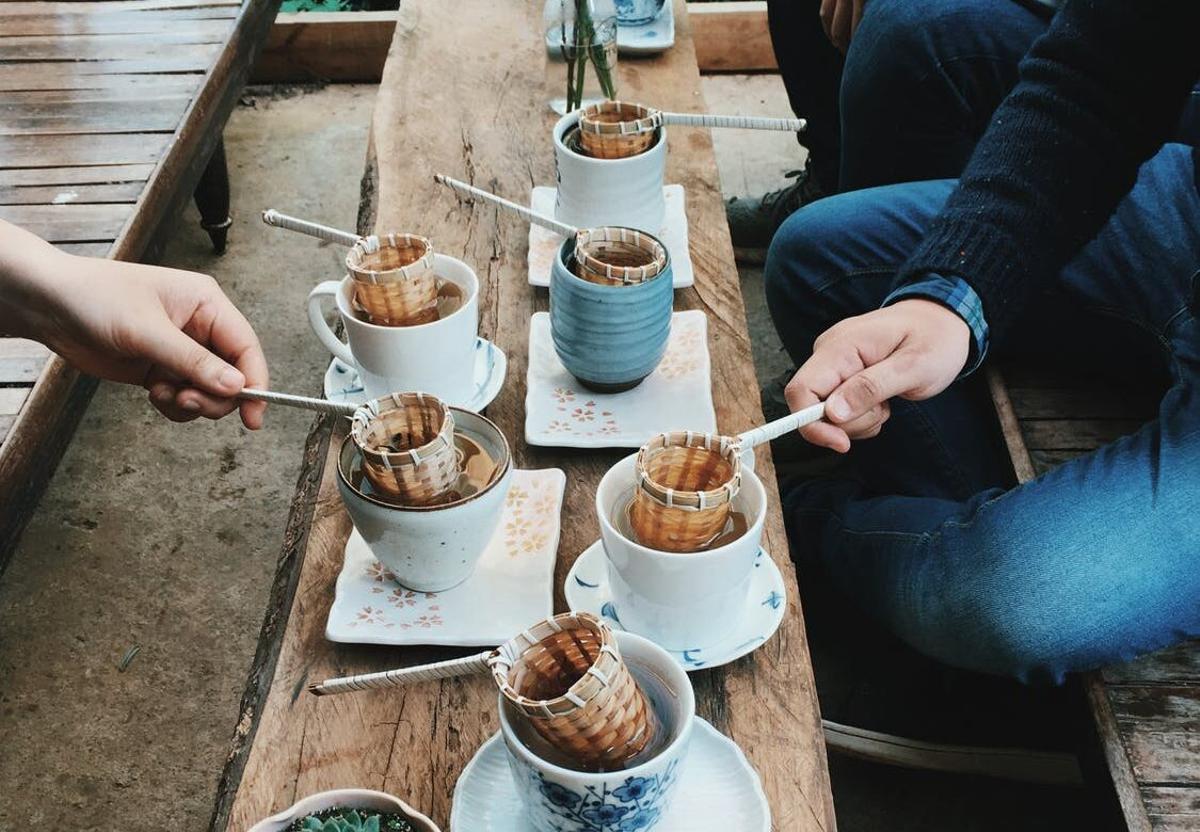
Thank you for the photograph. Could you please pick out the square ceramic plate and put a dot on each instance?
(544, 243)
(512, 586)
(562, 413)
(649, 38)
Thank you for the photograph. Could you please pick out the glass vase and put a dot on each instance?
(581, 52)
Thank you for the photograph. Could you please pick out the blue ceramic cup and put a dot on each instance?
(609, 337)
(636, 12)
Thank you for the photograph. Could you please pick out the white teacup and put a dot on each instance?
(437, 357)
(681, 601)
(600, 192)
(431, 548)
(562, 799)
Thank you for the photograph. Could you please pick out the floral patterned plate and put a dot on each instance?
(587, 590)
(562, 413)
(512, 585)
(543, 243)
(718, 791)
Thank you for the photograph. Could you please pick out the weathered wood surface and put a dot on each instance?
(326, 46)
(1146, 712)
(732, 37)
(414, 742)
(98, 151)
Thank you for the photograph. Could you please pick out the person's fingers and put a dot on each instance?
(868, 424)
(869, 388)
(191, 400)
(856, 18)
(232, 336)
(162, 397)
(839, 26)
(178, 354)
(827, 436)
(826, 14)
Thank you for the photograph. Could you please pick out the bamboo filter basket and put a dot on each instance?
(609, 256)
(394, 280)
(565, 675)
(619, 129)
(686, 482)
(425, 467)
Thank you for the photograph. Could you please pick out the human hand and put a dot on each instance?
(840, 18)
(174, 332)
(913, 349)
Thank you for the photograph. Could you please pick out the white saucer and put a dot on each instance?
(491, 364)
(512, 585)
(561, 413)
(587, 590)
(718, 791)
(649, 38)
(544, 244)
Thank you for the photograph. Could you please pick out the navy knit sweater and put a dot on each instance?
(1098, 94)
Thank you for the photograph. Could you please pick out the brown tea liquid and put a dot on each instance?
(450, 299)
(736, 525)
(477, 469)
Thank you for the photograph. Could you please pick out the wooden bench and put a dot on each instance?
(110, 118)
(1145, 712)
(415, 742)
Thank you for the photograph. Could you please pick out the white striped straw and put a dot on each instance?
(465, 190)
(312, 229)
(789, 423)
(466, 666)
(791, 125)
(304, 402)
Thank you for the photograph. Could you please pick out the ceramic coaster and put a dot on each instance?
(649, 38)
(544, 244)
(342, 384)
(587, 590)
(718, 791)
(560, 412)
(512, 585)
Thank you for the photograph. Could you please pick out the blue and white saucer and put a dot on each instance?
(342, 384)
(587, 590)
(718, 791)
(648, 38)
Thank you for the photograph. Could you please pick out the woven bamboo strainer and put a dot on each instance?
(618, 129)
(394, 280)
(407, 445)
(610, 256)
(686, 482)
(564, 675)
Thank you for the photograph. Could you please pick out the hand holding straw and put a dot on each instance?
(470, 191)
(303, 402)
(312, 229)
(790, 125)
(773, 430)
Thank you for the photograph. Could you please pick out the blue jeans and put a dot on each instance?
(1092, 563)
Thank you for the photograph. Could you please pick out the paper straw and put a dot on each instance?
(465, 190)
(304, 402)
(791, 125)
(312, 229)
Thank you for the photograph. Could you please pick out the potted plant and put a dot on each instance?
(348, 810)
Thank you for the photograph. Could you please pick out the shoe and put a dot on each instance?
(753, 221)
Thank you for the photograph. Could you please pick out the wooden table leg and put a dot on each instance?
(212, 198)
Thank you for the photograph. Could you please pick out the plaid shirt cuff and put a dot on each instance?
(956, 294)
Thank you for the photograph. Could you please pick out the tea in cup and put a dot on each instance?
(437, 356)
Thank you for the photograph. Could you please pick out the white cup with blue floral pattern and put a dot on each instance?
(558, 798)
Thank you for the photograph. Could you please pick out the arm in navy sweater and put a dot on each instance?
(1098, 94)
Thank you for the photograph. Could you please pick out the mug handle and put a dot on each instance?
(316, 319)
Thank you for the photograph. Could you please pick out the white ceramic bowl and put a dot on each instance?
(559, 799)
(350, 798)
(431, 548)
(597, 192)
(680, 600)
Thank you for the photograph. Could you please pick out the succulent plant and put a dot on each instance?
(351, 820)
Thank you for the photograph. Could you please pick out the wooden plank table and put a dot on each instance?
(463, 94)
(1145, 712)
(109, 113)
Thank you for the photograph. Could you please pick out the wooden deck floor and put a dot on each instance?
(1147, 712)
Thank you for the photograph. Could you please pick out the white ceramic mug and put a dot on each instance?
(597, 192)
(561, 799)
(681, 601)
(431, 548)
(437, 357)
